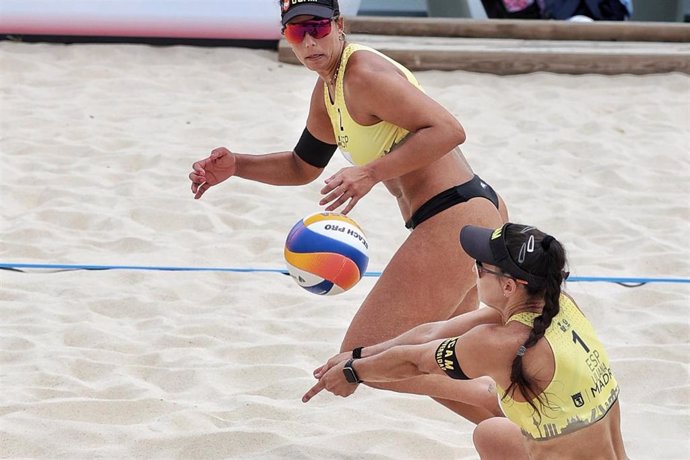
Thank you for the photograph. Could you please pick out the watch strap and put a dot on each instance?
(357, 353)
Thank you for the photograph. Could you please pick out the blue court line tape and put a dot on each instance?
(138, 267)
(20, 266)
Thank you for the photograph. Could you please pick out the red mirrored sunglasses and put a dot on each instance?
(294, 33)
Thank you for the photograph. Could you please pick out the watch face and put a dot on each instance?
(349, 375)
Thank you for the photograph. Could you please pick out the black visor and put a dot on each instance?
(489, 246)
(319, 8)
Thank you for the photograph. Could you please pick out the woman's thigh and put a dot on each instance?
(427, 279)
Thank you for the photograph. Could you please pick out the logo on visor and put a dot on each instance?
(287, 3)
(496, 233)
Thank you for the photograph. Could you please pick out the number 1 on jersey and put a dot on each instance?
(578, 339)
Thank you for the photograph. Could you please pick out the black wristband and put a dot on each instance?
(357, 353)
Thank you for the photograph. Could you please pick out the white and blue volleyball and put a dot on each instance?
(326, 253)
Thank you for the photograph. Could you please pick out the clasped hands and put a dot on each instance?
(331, 378)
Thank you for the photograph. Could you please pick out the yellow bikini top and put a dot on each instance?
(583, 387)
(361, 144)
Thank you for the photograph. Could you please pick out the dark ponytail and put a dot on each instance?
(550, 264)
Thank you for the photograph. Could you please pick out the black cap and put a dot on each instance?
(319, 8)
(489, 246)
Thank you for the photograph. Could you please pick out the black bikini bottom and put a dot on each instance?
(462, 193)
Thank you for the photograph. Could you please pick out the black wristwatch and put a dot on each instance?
(350, 374)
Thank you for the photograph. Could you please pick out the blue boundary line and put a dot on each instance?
(19, 266)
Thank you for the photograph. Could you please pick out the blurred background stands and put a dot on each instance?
(643, 10)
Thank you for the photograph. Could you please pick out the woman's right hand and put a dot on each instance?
(334, 361)
(220, 165)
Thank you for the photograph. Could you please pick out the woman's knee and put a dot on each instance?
(499, 438)
(483, 434)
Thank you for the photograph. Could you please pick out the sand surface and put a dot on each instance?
(96, 142)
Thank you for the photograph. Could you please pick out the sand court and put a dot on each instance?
(96, 142)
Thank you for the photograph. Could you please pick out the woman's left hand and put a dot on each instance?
(347, 184)
(334, 381)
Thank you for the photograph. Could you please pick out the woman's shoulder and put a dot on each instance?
(368, 71)
(491, 348)
(498, 336)
(569, 306)
(365, 59)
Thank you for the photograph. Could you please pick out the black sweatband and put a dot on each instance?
(357, 353)
(448, 361)
(313, 151)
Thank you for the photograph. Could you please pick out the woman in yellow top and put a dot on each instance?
(373, 109)
(552, 376)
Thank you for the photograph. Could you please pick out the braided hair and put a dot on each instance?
(550, 264)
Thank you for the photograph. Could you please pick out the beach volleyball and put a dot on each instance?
(326, 253)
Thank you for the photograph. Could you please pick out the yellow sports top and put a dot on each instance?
(361, 144)
(583, 387)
